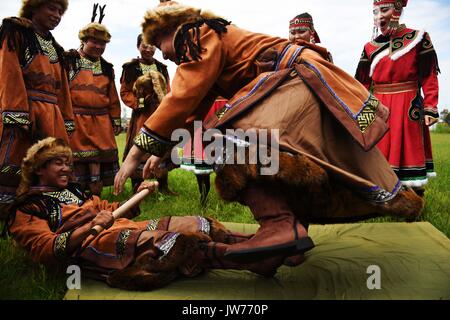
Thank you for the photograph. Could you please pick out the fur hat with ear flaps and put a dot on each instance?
(94, 29)
(169, 16)
(37, 156)
(26, 11)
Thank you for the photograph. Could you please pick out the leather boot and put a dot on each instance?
(211, 255)
(280, 232)
(208, 226)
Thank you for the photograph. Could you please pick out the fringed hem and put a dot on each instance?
(431, 174)
(415, 183)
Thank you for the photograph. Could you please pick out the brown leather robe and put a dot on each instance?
(96, 108)
(34, 97)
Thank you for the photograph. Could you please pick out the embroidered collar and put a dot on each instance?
(94, 66)
(47, 47)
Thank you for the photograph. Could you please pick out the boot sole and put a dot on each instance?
(291, 248)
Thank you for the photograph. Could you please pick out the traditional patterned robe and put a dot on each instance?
(396, 70)
(131, 71)
(34, 97)
(45, 219)
(96, 108)
(320, 111)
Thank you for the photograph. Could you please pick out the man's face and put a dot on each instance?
(382, 16)
(94, 47)
(55, 173)
(48, 15)
(303, 34)
(164, 43)
(147, 51)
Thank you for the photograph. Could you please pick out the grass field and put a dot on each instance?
(20, 278)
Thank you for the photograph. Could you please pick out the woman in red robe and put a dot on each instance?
(396, 66)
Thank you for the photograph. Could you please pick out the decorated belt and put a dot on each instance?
(393, 88)
(42, 96)
(89, 110)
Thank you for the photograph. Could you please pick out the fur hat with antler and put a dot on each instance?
(94, 29)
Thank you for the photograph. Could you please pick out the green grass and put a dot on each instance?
(20, 278)
(442, 128)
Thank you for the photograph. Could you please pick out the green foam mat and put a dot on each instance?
(413, 260)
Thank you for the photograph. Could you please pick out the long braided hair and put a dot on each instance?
(187, 40)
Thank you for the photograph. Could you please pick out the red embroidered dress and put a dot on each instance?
(396, 70)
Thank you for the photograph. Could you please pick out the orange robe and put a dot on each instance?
(46, 218)
(34, 97)
(96, 108)
(131, 71)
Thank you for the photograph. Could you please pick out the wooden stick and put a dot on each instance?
(133, 201)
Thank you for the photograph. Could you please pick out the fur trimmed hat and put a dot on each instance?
(170, 15)
(39, 154)
(94, 30)
(29, 5)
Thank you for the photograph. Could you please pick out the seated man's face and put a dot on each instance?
(55, 173)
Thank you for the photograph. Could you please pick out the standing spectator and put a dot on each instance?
(34, 93)
(397, 65)
(153, 73)
(96, 109)
(301, 28)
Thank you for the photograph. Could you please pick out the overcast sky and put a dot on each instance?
(344, 26)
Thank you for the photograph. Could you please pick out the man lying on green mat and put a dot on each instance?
(52, 219)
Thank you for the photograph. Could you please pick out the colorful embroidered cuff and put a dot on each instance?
(70, 125)
(16, 118)
(151, 144)
(117, 122)
(61, 244)
(432, 112)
